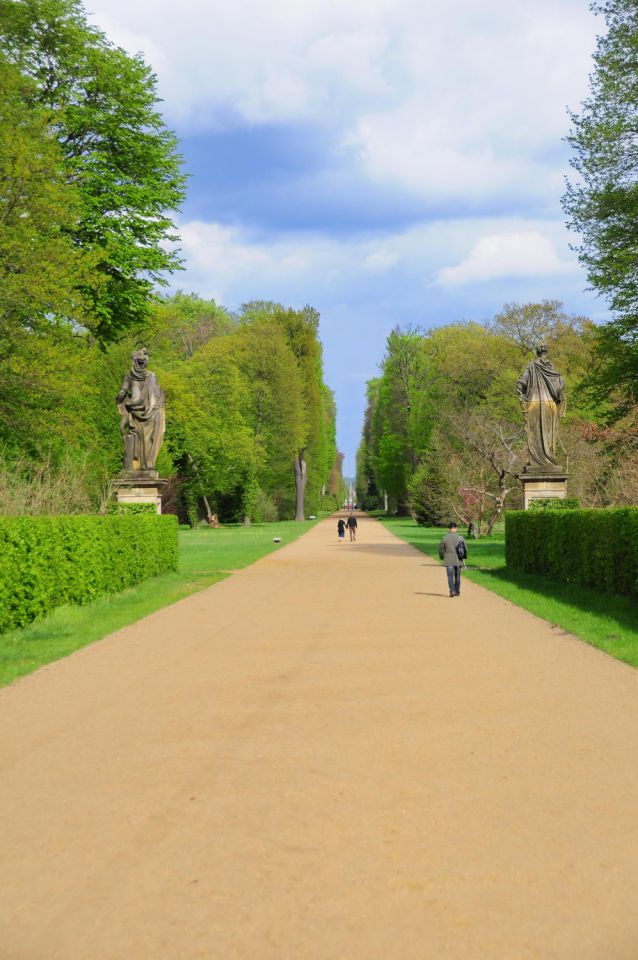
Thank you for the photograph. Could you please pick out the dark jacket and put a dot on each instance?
(447, 549)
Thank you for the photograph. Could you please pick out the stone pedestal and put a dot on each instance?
(541, 485)
(140, 486)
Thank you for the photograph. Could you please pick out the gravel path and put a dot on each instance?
(323, 757)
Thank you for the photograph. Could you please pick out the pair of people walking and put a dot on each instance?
(351, 524)
(453, 552)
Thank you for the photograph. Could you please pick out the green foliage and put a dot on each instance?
(89, 177)
(554, 503)
(30, 488)
(593, 548)
(40, 265)
(116, 152)
(184, 322)
(602, 204)
(131, 509)
(443, 433)
(49, 561)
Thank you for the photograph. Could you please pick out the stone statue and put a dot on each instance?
(141, 406)
(541, 390)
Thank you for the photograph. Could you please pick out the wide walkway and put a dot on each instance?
(323, 757)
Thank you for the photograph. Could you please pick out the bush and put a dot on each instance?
(329, 502)
(554, 503)
(28, 488)
(129, 509)
(48, 561)
(593, 548)
(264, 508)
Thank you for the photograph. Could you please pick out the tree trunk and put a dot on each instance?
(300, 484)
(502, 493)
(385, 502)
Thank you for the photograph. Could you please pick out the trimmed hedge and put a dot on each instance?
(594, 548)
(554, 503)
(48, 561)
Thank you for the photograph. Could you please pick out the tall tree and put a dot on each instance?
(602, 205)
(102, 108)
(310, 462)
(40, 270)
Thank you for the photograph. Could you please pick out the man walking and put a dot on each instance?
(452, 551)
(352, 526)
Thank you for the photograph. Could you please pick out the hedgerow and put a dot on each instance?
(47, 561)
(594, 548)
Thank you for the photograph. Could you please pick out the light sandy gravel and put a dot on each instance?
(323, 757)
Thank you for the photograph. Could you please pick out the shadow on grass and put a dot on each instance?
(623, 610)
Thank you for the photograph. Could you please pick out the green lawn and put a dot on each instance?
(607, 622)
(206, 556)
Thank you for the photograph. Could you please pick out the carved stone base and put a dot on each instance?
(133, 487)
(538, 486)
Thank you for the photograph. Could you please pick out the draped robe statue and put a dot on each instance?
(140, 403)
(541, 390)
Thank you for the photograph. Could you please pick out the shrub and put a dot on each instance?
(48, 561)
(554, 503)
(32, 488)
(329, 502)
(594, 548)
(264, 508)
(128, 509)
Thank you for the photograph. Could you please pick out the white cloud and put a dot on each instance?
(490, 77)
(510, 254)
(233, 264)
(380, 261)
(261, 62)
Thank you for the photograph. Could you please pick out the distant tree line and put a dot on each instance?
(443, 435)
(90, 179)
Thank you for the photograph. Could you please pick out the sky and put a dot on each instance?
(386, 161)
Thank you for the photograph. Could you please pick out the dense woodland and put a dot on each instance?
(90, 179)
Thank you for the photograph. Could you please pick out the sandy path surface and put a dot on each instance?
(323, 757)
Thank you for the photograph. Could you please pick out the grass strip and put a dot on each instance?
(603, 620)
(205, 557)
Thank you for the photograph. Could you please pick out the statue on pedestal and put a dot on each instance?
(541, 390)
(140, 403)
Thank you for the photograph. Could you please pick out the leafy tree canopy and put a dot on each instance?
(117, 152)
(602, 202)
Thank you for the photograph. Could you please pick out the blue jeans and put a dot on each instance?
(454, 579)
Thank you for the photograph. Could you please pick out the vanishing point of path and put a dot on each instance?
(323, 757)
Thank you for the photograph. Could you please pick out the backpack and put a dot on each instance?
(461, 549)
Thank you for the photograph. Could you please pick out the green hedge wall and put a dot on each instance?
(48, 561)
(594, 548)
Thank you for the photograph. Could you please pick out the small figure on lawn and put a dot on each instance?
(453, 552)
